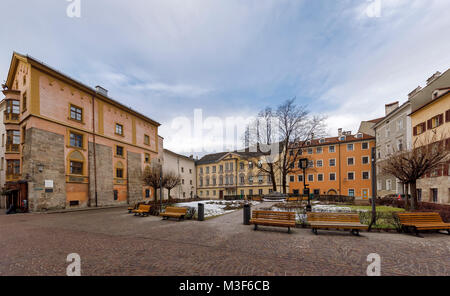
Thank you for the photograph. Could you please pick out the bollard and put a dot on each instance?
(247, 214)
(201, 212)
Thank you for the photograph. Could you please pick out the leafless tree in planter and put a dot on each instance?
(171, 180)
(151, 177)
(290, 125)
(410, 165)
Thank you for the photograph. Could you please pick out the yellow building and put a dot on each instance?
(431, 122)
(233, 174)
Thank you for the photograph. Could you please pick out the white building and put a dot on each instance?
(185, 167)
(393, 133)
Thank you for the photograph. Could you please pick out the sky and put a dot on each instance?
(228, 59)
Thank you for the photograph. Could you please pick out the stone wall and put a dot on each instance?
(135, 183)
(104, 168)
(47, 149)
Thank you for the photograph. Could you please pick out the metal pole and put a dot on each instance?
(160, 189)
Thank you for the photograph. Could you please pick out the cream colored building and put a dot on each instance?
(2, 154)
(431, 122)
(233, 174)
(184, 167)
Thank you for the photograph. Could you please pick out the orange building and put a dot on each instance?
(73, 146)
(337, 166)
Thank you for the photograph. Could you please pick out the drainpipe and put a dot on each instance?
(94, 150)
(340, 176)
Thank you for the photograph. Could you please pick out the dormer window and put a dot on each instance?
(342, 138)
(308, 143)
(359, 135)
(321, 141)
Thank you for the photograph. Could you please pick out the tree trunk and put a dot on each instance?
(414, 201)
(274, 182)
(154, 193)
(168, 194)
(284, 184)
(405, 191)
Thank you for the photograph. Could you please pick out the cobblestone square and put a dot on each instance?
(112, 242)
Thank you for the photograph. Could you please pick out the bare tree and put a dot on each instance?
(408, 166)
(171, 180)
(152, 178)
(286, 130)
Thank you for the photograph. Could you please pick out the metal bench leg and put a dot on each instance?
(289, 230)
(448, 231)
(355, 232)
(417, 232)
(314, 230)
(256, 227)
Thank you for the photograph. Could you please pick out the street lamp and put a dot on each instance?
(304, 166)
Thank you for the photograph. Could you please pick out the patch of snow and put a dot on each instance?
(215, 207)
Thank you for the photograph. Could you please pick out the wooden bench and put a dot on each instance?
(135, 207)
(256, 198)
(422, 221)
(293, 199)
(174, 212)
(273, 218)
(336, 221)
(142, 210)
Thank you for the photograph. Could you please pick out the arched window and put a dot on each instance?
(76, 163)
(119, 170)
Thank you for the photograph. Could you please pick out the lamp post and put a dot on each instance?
(304, 166)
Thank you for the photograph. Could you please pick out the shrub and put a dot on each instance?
(190, 213)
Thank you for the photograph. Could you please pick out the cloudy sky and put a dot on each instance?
(230, 58)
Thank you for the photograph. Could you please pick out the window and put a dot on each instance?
(260, 192)
(331, 149)
(365, 175)
(310, 151)
(351, 192)
(388, 184)
(147, 193)
(116, 195)
(182, 169)
(201, 170)
(419, 194)
(419, 129)
(349, 147)
(76, 167)
(76, 140)
(400, 144)
(250, 192)
(182, 181)
(213, 169)
(250, 179)
(119, 151)
(242, 179)
(434, 194)
(147, 158)
(76, 113)
(321, 141)
(146, 140)
(300, 178)
(332, 162)
(319, 163)
(260, 179)
(24, 102)
(332, 177)
(119, 173)
(311, 163)
(350, 161)
(2, 162)
(291, 178)
(207, 170)
(12, 140)
(12, 168)
(365, 160)
(350, 176)
(220, 168)
(241, 166)
(310, 178)
(319, 150)
(119, 129)
(342, 138)
(12, 110)
(320, 177)
(365, 146)
(436, 121)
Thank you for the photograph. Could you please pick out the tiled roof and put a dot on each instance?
(335, 140)
(376, 120)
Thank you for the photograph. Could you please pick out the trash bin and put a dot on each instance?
(201, 212)
(247, 214)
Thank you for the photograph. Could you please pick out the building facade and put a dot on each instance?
(431, 123)
(184, 167)
(393, 133)
(233, 174)
(73, 146)
(337, 166)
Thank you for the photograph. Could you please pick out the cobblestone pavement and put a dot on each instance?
(112, 242)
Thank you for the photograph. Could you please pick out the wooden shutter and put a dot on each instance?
(430, 124)
(447, 116)
(415, 131)
(424, 127)
(441, 118)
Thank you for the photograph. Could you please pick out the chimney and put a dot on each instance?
(339, 132)
(411, 94)
(434, 77)
(388, 108)
(101, 90)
